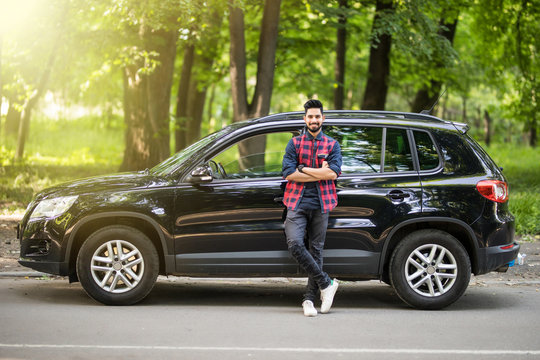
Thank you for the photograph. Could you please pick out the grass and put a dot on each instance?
(58, 151)
(521, 166)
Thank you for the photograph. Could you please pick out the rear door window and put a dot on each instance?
(428, 157)
(397, 154)
(360, 147)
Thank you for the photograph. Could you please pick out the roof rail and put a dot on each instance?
(365, 114)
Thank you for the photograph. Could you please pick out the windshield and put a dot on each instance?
(172, 163)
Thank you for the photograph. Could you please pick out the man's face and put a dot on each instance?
(314, 119)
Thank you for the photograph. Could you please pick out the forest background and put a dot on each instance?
(99, 86)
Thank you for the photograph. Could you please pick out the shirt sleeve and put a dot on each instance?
(334, 159)
(290, 161)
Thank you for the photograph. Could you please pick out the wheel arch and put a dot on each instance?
(457, 228)
(89, 224)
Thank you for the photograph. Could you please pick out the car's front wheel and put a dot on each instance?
(430, 269)
(118, 265)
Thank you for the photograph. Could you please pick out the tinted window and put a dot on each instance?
(427, 152)
(360, 147)
(397, 155)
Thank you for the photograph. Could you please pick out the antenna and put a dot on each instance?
(428, 112)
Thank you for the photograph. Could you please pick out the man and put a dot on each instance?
(311, 163)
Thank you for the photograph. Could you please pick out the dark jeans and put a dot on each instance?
(311, 261)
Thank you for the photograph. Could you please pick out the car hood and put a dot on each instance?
(121, 181)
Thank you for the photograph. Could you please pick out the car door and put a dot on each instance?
(378, 188)
(233, 225)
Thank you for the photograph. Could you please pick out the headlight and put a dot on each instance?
(51, 208)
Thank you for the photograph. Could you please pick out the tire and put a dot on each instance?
(118, 280)
(430, 269)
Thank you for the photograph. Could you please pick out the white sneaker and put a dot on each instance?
(327, 296)
(309, 309)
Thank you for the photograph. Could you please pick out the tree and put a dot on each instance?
(509, 31)
(428, 94)
(147, 93)
(379, 58)
(147, 72)
(341, 51)
(1, 83)
(260, 104)
(31, 101)
(200, 52)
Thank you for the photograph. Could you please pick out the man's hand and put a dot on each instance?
(322, 173)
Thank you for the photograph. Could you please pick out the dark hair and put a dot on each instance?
(313, 104)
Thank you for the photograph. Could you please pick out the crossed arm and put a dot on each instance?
(313, 174)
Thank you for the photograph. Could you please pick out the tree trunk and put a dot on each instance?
(379, 62)
(13, 119)
(533, 140)
(194, 80)
(147, 102)
(341, 50)
(197, 98)
(464, 109)
(427, 96)
(238, 63)
(487, 127)
(31, 102)
(1, 83)
(182, 98)
(210, 109)
(266, 61)
(260, 105)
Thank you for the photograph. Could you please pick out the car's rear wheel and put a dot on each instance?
(118, 265)
(430, 269)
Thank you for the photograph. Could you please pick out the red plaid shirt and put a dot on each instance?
(304, 155)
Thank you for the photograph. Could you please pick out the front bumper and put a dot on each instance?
(495, 257)
(41, 246)
(49, 267)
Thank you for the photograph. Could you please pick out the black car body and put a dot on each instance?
(421, 206)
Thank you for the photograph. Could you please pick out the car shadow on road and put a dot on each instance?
(270, 293)
(362, 295)
(266, 293)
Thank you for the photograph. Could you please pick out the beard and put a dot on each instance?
(314, 127)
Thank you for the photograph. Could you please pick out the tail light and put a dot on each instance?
(494, 190)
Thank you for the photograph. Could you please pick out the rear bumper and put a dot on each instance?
(495, 257)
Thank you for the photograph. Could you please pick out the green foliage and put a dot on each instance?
(58, 151)
(522, 169)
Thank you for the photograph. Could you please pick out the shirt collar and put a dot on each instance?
(318, 138)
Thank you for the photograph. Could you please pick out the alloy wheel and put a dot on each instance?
(431, 270)
(117, 266)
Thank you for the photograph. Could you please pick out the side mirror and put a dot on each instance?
(202, 174)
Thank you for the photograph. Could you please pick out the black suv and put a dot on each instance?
(421, 206)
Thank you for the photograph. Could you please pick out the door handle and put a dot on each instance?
(278, 199)
(397, 195)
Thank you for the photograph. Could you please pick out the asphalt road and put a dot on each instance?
(262, 319)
